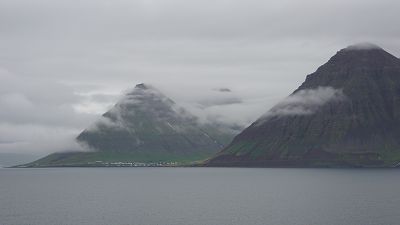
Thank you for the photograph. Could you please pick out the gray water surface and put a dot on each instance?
(199, 196)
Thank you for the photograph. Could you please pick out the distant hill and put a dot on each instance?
(11, 159)
(144, 127)
(347, 113)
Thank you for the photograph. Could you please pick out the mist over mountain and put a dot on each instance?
(346, 113)
(145, 126)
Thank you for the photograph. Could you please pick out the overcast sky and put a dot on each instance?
(63, 63)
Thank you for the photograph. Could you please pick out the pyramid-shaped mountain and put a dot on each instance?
(347, 113)
(147, 128)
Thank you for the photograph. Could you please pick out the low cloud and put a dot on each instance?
(304, 102)
(95, 102)
(213, 106)
(103, 122)
(37, 116)
(221, 97)
(37, 139)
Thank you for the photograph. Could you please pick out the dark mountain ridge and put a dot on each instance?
(346, 113)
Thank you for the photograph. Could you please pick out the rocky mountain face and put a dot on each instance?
(145, 126)
(347, 113)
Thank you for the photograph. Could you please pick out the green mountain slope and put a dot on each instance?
(347, 113)
(144, 127)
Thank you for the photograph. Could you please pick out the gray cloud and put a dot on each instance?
(304, 102)
(38, 115)
(28, 138)
(69, 61)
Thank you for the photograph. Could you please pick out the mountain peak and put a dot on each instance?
(346, 113)
(353, 65)
(363, 51)
(359, 58)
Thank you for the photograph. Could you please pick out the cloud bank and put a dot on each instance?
(304, 102)
(37, 116)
